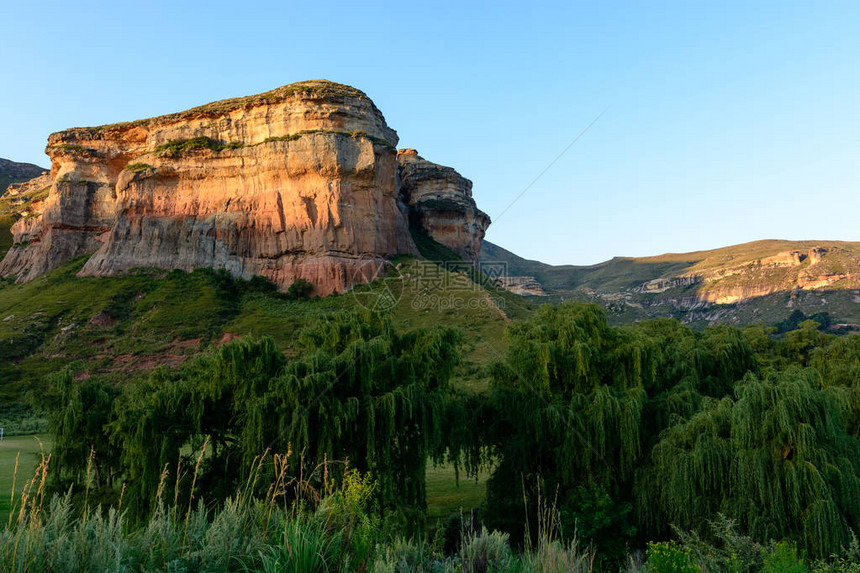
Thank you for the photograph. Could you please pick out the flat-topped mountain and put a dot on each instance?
(299, 182)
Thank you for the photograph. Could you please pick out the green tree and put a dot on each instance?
(775, 457)
(77, 413)
(360, 392)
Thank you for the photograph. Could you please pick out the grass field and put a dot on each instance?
(121, 327)
(27, 449)
(446, 496)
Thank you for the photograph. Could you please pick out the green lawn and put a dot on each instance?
(29, 448)
(445, 496)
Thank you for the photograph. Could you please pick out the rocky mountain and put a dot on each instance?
(303, 181)
(758, 281)
(13, 172)
(440, 201)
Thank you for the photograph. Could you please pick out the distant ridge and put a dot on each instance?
(14, 172)
(740, 284)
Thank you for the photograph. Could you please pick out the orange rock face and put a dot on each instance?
(298, 182)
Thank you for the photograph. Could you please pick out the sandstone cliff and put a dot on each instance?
(821, 267)
(761, 281)
(440, 201)
(298, 182)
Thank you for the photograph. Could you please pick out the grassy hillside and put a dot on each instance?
(614, 274)
(630, 272)
(121, 326)
(762, 281)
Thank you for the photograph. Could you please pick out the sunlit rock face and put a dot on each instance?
(298, 182)
(440, 201)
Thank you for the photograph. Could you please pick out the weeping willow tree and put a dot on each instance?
(365, 394)
(577, 405)
(159, 425)
(838, 362)
(775, 456)
(77, 414)
(359, 393)
(566, 409)
(691, 367)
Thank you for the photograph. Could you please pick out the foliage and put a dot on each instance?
(301, 288)
(137, 167)
(725, 549)
(577, 402)
(844, 562)
(775, 457)
(71, 147)
(556, 556)
(685, 424)
(783, 558)
(669, 557)
(485, 551)
(78, 414)
(246, 533)
(797, 316)
(361, 392)
(176, 147)
(355, 134)
(18, 419)
(600, 522)
(306, 548)
(743, 443)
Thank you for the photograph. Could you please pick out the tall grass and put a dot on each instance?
(302, 524)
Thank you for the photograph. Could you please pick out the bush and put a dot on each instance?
(783, 558)
(401, 556)
(488, 551)
(176, 147)
(300, 288)
(137, 167)
(669, 557)
(558, 557)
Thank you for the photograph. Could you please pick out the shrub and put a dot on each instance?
(401, 556)
(488, 551)
(305, 548)
(300, 288)
(554, 556)
(783, 558)
(669, 557)
(137, 167)
(176, 147)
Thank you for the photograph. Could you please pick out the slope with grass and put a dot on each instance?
(762, 281)
(119, 326)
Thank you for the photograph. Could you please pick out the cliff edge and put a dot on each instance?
(298, 182)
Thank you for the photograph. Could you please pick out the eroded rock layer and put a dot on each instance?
(299, 182)
(440, 200)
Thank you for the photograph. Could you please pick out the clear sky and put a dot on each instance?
(724, 122)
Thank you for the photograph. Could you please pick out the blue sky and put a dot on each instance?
(724, 122)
